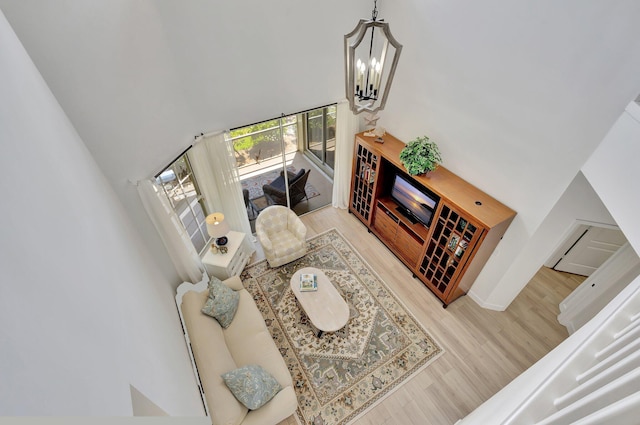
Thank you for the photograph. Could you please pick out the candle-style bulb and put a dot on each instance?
(378, 75)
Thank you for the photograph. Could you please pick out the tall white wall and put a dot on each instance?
(578, 202)
(84, 311)
(517, 94)
(138, 79)
(612, 170)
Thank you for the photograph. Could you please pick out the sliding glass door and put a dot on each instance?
(262, 150)
(320, 141)
(305, 145)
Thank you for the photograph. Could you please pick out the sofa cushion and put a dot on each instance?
(222, 302)
(212, 359)
(252, 385)
(247, 332)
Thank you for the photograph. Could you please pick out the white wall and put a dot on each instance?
(578, 202)
(84, 311)
(610, 172)
(517, 93)
(613, 172)
(139, 79)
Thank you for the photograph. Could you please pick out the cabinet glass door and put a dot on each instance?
(364, 175)
(448, 249)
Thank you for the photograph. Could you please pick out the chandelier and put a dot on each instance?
(371, 57)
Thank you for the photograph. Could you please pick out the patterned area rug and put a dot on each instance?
(254, 184)
(341, 375)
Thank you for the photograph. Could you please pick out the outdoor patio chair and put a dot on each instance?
(252, 209)
(276, 194)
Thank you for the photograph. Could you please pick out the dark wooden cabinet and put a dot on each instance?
(450, 247)
(406, 239)
(364, 177)
(466, 227)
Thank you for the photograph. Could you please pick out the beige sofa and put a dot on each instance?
(216, 350)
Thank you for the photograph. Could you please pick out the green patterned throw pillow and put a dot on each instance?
(222, 302)
(252, 385)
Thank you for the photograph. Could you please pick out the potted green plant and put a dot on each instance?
(420, 156)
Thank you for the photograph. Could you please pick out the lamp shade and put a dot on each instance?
(217, 227)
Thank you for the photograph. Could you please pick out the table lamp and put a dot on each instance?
(217, 227)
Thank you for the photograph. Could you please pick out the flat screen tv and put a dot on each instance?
(415, 204)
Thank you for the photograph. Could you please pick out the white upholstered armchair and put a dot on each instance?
(281, 234)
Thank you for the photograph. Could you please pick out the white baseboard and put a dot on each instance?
(484, 304)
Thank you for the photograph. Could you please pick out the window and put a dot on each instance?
(180, 186)
(260, 142)
(320, 137)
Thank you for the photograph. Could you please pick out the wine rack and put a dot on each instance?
(366, 163)
(449, 253)
(452, 240)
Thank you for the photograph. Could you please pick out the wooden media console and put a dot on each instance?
(466, 227)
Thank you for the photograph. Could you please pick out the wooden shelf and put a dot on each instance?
(466, 227)
(417, 229)
(364, 178)
(406, 239)
(445, 184)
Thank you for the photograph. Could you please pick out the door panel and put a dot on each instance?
(595, 247)
(321, 138)
(599, 289)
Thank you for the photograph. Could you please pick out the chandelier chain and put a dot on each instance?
(374, 12)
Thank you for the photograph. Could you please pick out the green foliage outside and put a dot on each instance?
(262, 141)
(315, 123)
(270, 133)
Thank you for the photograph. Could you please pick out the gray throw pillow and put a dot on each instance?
(252, 385)
(222, 303)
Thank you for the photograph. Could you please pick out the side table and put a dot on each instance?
(223, 266)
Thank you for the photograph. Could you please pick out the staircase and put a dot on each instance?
(593, 377)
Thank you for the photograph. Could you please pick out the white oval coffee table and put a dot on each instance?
(326, 309)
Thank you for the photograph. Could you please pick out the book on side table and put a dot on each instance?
(308, 282)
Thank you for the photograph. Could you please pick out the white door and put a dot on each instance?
(594, 246)
(599, 288)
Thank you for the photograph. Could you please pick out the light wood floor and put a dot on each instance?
(484, 350)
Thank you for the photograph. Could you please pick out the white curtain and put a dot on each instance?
(203, 172)
(184, 256)
(346, 129)
(214, 165)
